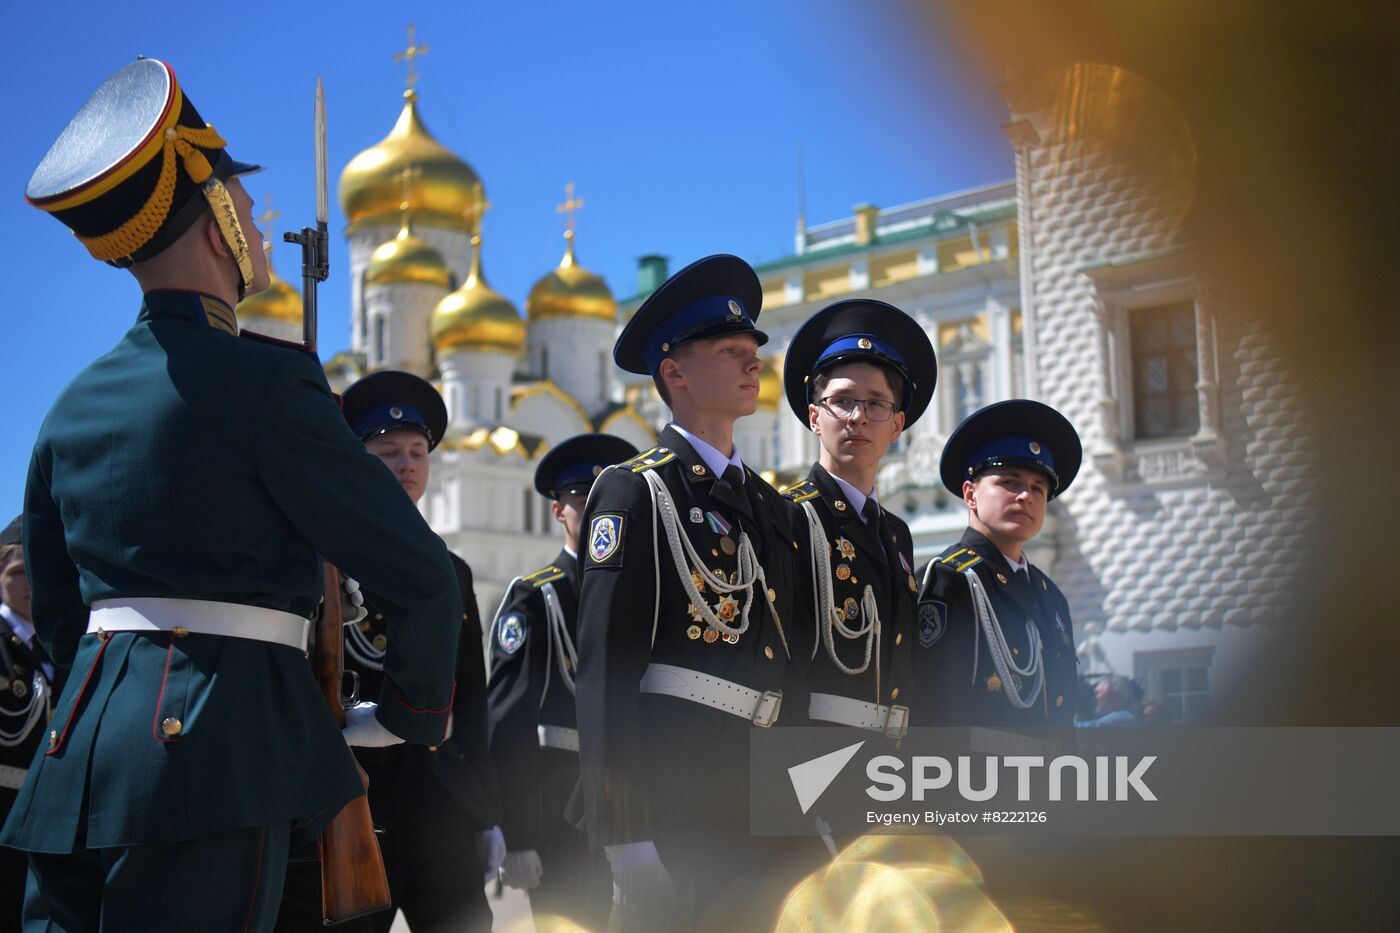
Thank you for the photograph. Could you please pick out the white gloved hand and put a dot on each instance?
(356, 600)
(522, 869)
(643, 893)
(364, 730)
(491, 849)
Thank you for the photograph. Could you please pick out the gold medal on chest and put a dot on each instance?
(727, 545)
(993, 683)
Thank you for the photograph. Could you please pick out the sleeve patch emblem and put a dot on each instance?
(933, 622)
(511, 633)
(605, 539)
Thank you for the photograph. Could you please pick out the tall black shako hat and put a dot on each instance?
(136, 167)
(711, 297)
(861, 330)
(574, 464)
(391, 401)
(1017, 432)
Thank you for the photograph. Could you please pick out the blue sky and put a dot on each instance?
(679, 123)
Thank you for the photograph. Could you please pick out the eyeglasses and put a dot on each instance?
(876, 409)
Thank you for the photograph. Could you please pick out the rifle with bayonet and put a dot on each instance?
(353, 882)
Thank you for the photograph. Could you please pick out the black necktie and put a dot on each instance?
(733, 476)
(871, 513)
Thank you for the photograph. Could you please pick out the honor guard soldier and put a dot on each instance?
(28, 684)
(437, 807)
(533, 724)
(996, 644)
(859, 374)
(181, 496)
(688, 579)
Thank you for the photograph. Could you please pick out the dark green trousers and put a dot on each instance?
(224, 884)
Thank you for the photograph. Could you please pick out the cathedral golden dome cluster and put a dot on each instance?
(477, 317)
(407, 259)
(280, 301)
(446, 191)
(409, 174)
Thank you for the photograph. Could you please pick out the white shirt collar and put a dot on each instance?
(715, 460)
(571, 552)
(1025, 563)
(19, 624)
(856, 497)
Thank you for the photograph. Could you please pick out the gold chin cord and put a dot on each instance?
(226, 216)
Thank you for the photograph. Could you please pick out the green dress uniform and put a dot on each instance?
(182, 493)
(191, 463)
(996, 646)
(428, 803)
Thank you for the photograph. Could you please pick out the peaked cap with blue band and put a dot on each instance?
(126, 174)
(392, 400)
(711, 297)
(1019, 433)
(861, 330)
(574, 464)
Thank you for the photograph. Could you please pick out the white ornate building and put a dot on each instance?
(1176, 546)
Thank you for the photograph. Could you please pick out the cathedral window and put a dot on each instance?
(1163, 340)
(529, 510)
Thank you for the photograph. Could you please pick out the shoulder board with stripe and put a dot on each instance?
(801, 492)
(652, 458)
(538, 581)
(538, 577)
(961, 558)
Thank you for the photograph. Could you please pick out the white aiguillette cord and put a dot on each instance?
(1001, 652)
(683, 555)
(829, 621)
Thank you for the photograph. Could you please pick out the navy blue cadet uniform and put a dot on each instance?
(860, 667)
(191, 482)
(429, 803)
(1016, 666)
(657, 766)
(533, 719)
(26, 700)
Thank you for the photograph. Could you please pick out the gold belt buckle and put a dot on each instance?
(776, 698)
(897, 722)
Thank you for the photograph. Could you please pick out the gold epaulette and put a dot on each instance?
(652, 458)
(961, 559)
(801, 492)
(540, 577)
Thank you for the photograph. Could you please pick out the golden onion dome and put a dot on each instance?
(571, 291)
(446, 191)
(407, 259)
(770, 385)
(477, 317)
(278, 302)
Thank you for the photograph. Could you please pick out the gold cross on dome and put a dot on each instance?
(267, 216)
(410, 56)
(570, 205)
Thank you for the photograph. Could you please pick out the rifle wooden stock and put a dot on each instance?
(353, 882)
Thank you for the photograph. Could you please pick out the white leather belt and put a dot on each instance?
(12, 777)
(893, 721)
(198, 617)
(758, 706)
(561, 737)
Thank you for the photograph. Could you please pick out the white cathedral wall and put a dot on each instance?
(484, 506)
(1177, 553)
(454, 245)
(475, 386)
(576, 353)
(547, 416)
(405, 309)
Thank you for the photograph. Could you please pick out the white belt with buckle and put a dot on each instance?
(561, 737)
(198, 617)
(12, 777)
(758, 706)
(893, 721)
